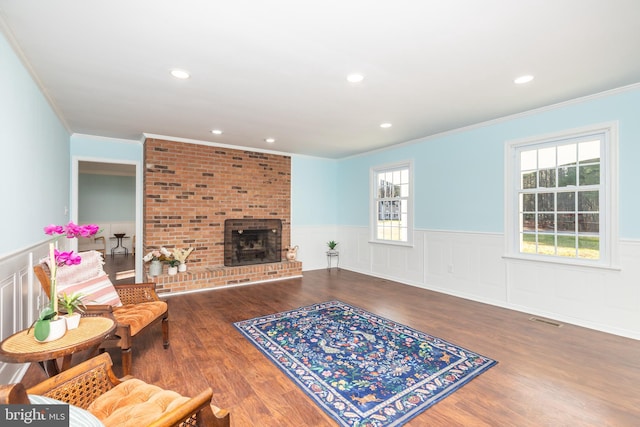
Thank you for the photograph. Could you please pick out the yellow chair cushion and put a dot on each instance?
(139, 315)
(134, 403)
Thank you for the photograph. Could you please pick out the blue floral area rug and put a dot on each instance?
(362, 369)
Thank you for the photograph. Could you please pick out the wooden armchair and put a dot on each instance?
(128, 401)
(141, 307)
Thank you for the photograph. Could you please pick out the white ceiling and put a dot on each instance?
(278, 68)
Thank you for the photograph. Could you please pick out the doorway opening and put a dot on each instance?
(106, 194)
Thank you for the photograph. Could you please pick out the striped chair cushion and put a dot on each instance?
(97, 290)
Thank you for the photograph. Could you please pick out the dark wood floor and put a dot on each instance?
(546, 376)
(114, 264)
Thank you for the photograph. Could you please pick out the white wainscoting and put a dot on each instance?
(312, 245)
(21, 298)
(471, 266)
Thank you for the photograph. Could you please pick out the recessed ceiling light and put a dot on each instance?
(270, 140)
(216, 132)
(180, 74)
(355, 78)
(385, 125)
(523, 79)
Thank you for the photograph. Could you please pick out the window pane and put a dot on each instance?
(589, 151)
(590, 175)
(404, 206)
(566, 246)
(529, 222)
(528, 160)
(528, 202)
(589, 247)
(528, 243)
(386, 234)
(588, 201)
(529, 180)
(566, 202)
(546, 222)
(566, 222)
(404, 190)
(547, 158)
(396, 177)
(567, 155)
(381, 187)
(546, 244)
(588, 223)
(547, 178)
(545, 202)
(566, 176)
(404, 176)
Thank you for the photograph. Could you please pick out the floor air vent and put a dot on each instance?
(546, 321)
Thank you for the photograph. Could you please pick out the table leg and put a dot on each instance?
(66, 362)
(50, 367)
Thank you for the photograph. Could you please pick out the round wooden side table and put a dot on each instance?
(22, 347)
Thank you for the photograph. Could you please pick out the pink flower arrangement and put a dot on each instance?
(72, 230)
(66, 258)
(59, 258)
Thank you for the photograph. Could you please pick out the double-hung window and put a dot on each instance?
(392, 204)
(561, 197)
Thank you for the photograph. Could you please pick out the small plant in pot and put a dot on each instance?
(73, 305)
(173, 266)
(332, 245)
(42, 326)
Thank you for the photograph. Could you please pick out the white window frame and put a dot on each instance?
(609, 252)
(373, 202)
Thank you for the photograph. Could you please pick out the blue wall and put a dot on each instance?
(459, 177)
(105, 149)
(106, 198)
(313, 191)
(35, 166)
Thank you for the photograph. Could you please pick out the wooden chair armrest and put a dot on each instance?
(81, 384)
(97, 310)
(221, 417)
(137, 293)
(13, 394)
(198, 406)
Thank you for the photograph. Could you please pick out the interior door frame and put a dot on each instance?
(75, 177)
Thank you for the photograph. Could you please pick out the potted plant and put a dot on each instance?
(49, 326)
(173, 266)
(155, 268)
(332, 245)
(181, 256)
(46, 329)
(73, 305)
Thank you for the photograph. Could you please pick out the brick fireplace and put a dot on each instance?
(191, 190)
(252, 241)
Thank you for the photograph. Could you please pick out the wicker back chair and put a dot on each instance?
(141, 308)
(93, 386)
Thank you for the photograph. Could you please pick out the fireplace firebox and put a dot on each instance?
(252, 241)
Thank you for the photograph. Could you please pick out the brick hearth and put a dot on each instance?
(191, 189)
(214, 277)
